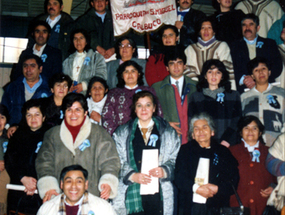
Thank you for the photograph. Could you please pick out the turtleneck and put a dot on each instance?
(74, 130)
(206, 43)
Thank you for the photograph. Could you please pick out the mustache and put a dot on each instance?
(51, 9)
(247, 30)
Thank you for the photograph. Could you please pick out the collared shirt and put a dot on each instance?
(149, 127)
(29, 91)
(53, 22)
(250, 148)
(268, 87)
(180, 83)
(130, 88)
(77, 203)
(40, 52)
(102, 16)
(250, 41)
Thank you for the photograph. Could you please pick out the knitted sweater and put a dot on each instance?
(271, 115)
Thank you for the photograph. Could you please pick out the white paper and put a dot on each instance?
(17, 187)
(149, 161)
(202, 177)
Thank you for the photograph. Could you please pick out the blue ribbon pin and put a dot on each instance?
(256, 155)
(138, 90)
(220, 97)
(57, 28)
(61, 114)
(38, 147)
(216, 159)
(5, 144)
(44, 95)
(86, 61)
(84, 145)
(152, 140)
(271, 99)
(259, 44)
(91, 213)
(44, 57)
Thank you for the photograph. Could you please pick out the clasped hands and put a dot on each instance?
(142, 178)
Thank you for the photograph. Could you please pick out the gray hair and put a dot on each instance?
(202, 116)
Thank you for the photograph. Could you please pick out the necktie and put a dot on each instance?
(177, 85)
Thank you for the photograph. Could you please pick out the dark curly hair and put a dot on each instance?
(209, 64)
(132, 43)
(121, 69)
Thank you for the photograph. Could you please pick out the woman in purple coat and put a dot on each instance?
(117, 109)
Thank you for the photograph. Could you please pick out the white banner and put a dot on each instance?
(142, 15)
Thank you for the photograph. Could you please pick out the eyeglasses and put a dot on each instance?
(121, 46)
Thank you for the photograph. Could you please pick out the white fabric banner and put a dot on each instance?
(142, 15)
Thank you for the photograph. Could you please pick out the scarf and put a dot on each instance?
(133, 197)
(74, 130)
(206, 43)
(213, 93)
(84, 209)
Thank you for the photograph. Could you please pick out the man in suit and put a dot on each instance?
(249, 47)
(51, 57)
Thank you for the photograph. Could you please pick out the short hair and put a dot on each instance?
(46, 3)
(94, 80)
(251, 16)
(142, 94)
(75, 167)
(203, 83)
(207, 19)
(245, 120)
(252, 64)
(165, 27)
(33, 103)
(35, 57)
(175, 53)
(121, 69)
(70, 98)
(132, 43)
(202, 116)
(59, 78)
(72, 49)
(4, 112)
(42, 23)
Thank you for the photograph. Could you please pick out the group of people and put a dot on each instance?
(174, 134)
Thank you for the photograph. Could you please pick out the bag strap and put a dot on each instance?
(237, 196)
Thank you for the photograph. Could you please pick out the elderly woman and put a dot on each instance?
(125, 49)
(4, 178)
(20, 157)
(155, 70)
(208, 48)
(144, 133)
(117, 107)
(254, 185)
(205, 170)
(84, 63)
(77, 140)
(227, 21)
(265, 101)
(275, 163)
(215, 97)
(96, 98)
(59, 85)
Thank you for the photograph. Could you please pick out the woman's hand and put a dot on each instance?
(225, 143)
(30, 184)
(266, 192)
(157, 172)
(11, 131)
(141, 178)
(77, 88)
(2, 165)
(207, 190)
(95, 116)
(49, 194)
(175, 125)
(106, 190)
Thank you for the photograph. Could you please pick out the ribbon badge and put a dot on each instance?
(138, 90)
(84, 145)
(44, 95)
(256, 155)
(86, 61)
(5, 144)
(259, 44)
(216, 159)
(271, 99)
(152, 140)
(91, 213)
(220, 97)
(57, 28)
(61, 114)
(44, 57)
(38, 146)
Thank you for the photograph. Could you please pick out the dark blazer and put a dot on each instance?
(267, 49)
(51, 65)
